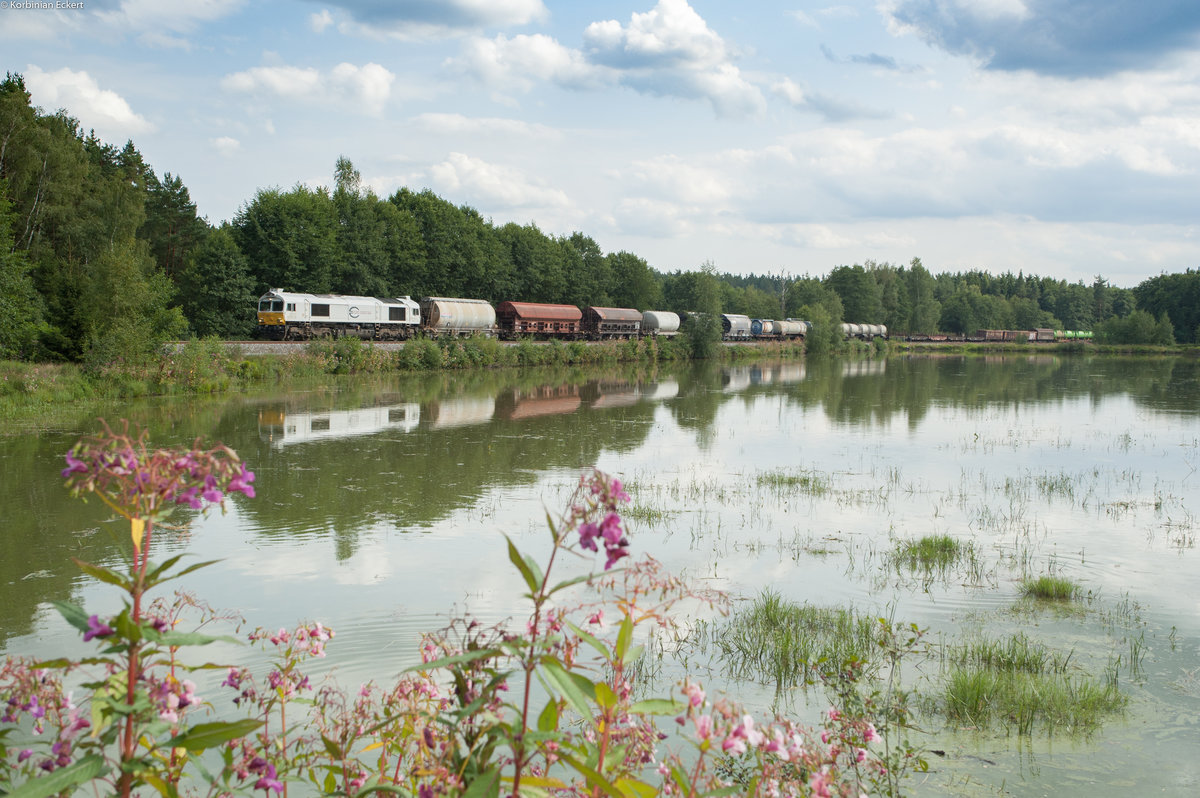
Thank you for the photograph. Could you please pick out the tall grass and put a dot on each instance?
(779, 642)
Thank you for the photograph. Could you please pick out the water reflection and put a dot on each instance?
(400, 455)
(281, 428)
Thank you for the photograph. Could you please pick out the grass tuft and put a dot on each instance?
(1050, 588)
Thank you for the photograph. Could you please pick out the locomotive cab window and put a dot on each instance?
(268, 305)
(291, 306)
(320, 310)
(396, 314)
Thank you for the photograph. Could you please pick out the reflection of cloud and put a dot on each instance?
(1059, 37)
(83, 98)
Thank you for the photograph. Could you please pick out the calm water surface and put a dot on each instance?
(381, 506)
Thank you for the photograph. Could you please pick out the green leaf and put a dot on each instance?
(681, 778)
(522, 564)
(624, 637)
(103, 574)
(73, 614)
(566, 684)
(485, 784)
(203, 736)
(605, 696)
(548, 719)
(185, 638)
(568, 583)
(723, 791)
(593, 778)
(656, 706)
(590, 639)
(63, 779)
(153, 571)
(331, 748)
(638, 789)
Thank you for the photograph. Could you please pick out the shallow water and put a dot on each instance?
(381, 504)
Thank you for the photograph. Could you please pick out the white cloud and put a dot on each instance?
(673, 179)
(319, 22)
(671, 51)
(416, 20)
(225, 145)
(83, 98)
(671, 34)
(369, 86)
(493, 185)
(457, 124)
(180, 16)
(803, 19)
(651, 218)
(668, 52)
(520, 61)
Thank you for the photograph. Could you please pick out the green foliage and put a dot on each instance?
(861, 295)
(825, 334)
(1138, 328)
(20, 305)
(216, 290)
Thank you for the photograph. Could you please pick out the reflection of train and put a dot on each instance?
(1042, 335)
(284, 429)
(281, 427)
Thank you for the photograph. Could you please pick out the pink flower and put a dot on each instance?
(870, 735)
(97, 629)
(704, 726)
(694, 693)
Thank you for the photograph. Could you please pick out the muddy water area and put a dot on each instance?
(382, 505)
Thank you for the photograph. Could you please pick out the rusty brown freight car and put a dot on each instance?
(611, 322)
(541, 321)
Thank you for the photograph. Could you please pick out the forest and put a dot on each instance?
(102, 259)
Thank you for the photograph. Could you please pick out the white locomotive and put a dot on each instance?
(284, 316)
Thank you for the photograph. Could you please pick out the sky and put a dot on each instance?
(1053, 137)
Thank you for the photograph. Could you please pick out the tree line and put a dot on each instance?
(102, 259)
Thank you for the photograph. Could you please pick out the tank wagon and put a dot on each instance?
(735, 327)
(601, 323)
(865, 332)
(454, 317)
(660, 322)
(770, 329)
(284, 315)
(541, 321)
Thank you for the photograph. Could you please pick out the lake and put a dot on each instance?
(382, 505)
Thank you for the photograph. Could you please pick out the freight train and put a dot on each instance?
(284, 315)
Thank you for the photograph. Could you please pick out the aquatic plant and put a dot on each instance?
(1050, 588)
